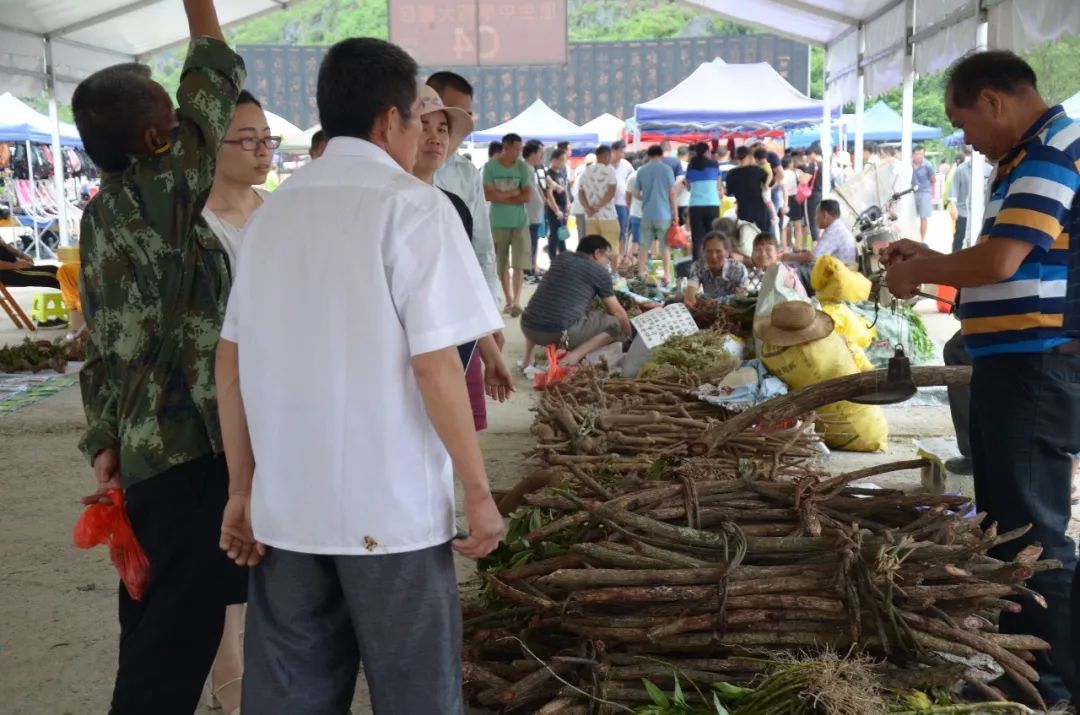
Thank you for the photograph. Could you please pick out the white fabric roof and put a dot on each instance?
(607, 126)
(86, 35)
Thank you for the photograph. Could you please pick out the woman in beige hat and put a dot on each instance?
(793, 322)
(444, 128)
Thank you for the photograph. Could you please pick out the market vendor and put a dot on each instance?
(17, 270)
(559, 314)
(766, 255)
(835, 238)
(1016, 284)
(717, 276)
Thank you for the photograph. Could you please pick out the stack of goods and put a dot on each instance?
(694, 576)
(37, 355)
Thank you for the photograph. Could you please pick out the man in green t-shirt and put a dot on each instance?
(507, 185)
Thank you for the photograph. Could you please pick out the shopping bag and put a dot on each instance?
(109, 524)
(676, 237)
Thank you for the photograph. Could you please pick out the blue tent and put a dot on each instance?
(21, 123)
(540, 121)
(955, 139)
(881, 123)
(732, 97)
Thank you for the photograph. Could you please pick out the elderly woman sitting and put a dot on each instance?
(717, 276)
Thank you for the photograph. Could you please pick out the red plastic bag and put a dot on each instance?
(109, 524)
(555, 374)
(676, 237)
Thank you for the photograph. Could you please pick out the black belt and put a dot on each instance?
(1072, 348)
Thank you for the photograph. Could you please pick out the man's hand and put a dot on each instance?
(498, 382)
(237, 539)
(903, 250)
(22, 264)
(485, 527)
(952, 211)
(900, 280)
(107, 472)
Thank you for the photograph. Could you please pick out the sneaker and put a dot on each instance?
(959, 465)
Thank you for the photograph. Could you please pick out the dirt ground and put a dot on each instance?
(58, 628)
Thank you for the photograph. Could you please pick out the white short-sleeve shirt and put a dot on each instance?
(350, 269)
(596, 182)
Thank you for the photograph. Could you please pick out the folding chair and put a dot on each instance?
(14, 310)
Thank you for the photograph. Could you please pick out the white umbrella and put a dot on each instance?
(290, 133)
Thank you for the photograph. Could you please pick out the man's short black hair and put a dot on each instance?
(742, 152)
(918, 148)
(511, 138)
(246, 97)
(766, 238)
(761, 153)
(593, 243)
(602, 150)
(619, 145)
(565, 146)
(318, 138)
(718, 236)
(530, 149)
(871, 147)
(654, 151)
(815, 148)
(994, 69)
(831, 207)
(360, 78)
(112, 108)
(494, 148)
(682, 151)
(442, 81)
(558, 154)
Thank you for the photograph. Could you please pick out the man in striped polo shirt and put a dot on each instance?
(1025, 386)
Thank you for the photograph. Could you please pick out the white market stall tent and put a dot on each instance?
(607, 127)
(705, 101)
(541, 122)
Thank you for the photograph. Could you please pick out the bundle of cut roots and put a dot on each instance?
(608, 579)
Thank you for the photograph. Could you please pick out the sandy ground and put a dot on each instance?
(58, 627)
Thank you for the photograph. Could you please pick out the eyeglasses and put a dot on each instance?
(252, 144)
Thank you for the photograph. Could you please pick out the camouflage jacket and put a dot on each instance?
(155, 281)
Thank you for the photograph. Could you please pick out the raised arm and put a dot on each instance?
(202, 19)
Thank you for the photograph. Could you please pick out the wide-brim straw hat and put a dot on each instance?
(461, 124)
(793, 322)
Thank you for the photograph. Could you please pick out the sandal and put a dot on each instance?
(515, 311)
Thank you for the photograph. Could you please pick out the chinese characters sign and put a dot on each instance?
(464, 33)
(598, 77)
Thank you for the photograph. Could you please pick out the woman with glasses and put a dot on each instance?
(243, 163)
(246, 156)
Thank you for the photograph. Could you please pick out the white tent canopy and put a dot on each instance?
(607, 127)
(73, 38)
(299, 143)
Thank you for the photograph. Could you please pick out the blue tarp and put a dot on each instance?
(881, 123)
(732, 97)
(539, 121)
(20, 123)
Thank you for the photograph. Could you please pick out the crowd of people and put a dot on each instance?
(230, 375)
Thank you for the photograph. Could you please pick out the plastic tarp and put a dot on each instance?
(881, 123)
(708, 99)
(539, 121)
(607, 127)
(20, 122)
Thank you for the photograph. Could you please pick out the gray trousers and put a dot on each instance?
(312, 620)
(959, 395)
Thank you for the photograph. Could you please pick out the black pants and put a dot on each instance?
(169, 639)
(1025, 410)
(701, 218)
(959, 395)
(959, 234)
(44, 276)
(812, 202)
(554, 245)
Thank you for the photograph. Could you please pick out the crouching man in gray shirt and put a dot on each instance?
(559, 312)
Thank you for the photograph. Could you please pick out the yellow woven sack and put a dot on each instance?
(853, 328)
(834, 282)
(843, 425)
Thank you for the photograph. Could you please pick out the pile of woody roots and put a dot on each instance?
(631, 559)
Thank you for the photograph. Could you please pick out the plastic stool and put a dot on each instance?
(47, 307)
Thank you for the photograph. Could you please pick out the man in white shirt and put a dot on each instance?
(342, 445)
(596, 191)
(460, 177)
(623, 170)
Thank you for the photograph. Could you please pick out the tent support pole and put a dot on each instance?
(58, 157)
(860, 103)
(826, 133)
(30, 176)
(977, 202)
(909, 83)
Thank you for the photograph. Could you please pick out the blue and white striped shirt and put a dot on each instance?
(1031, 200)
